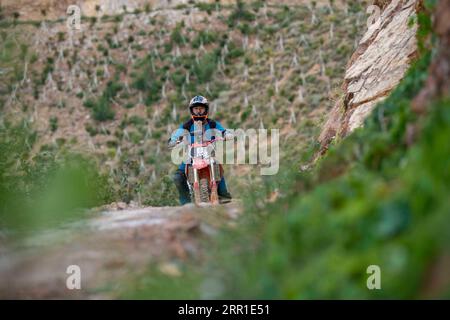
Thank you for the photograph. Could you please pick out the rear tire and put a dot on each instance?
(204, 190)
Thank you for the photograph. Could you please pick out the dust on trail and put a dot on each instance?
(108, 247)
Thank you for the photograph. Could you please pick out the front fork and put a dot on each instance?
(214, 195)
(197, 197)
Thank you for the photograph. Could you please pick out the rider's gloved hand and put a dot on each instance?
(172, 143)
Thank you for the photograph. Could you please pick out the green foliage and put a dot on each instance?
(92, 130)
(245, 28)
(177, 35)
(101, 107)
(241, 13)
(204, 71)
(148, 81)
(208, 7)
(257, 4)
(425, 27)
(111, 43)
(245, 114)
(61, 36)
(161, 193)
(168, 46)
(53, 124)
(14, 54)
(178, 77)
(48, 68)
(205, 37)
(134, 120)
(234, 52)
(163, 286)
(46, 189)
(284, 16)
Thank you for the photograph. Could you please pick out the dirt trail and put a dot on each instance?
(111, 245)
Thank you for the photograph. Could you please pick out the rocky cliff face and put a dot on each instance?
(377, 66)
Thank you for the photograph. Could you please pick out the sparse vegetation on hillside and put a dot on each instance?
(258, 64)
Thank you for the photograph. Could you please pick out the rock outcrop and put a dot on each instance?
(377, 66)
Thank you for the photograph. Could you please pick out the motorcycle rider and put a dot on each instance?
(198, 107)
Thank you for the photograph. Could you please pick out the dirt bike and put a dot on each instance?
(203, 172)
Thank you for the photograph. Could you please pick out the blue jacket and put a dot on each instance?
(189, 125)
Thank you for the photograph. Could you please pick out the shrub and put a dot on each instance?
(234, 52)
(240, 13)
(206, 68)
(101, 108)
(176, 35)
(148, 81)
(102, 111)
(45, 190)
(204, 37)
(53, 123)
(91, 129)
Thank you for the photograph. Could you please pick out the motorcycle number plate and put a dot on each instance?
(200, 152)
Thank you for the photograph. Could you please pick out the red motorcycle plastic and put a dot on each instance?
(203, 173)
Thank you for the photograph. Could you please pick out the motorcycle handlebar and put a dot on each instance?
(175, 143)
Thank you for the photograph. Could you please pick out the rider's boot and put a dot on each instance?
(224, 195)
(179, 178)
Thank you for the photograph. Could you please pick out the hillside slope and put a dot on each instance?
(119, 87)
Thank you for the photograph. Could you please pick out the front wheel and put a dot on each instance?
(204, 190)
